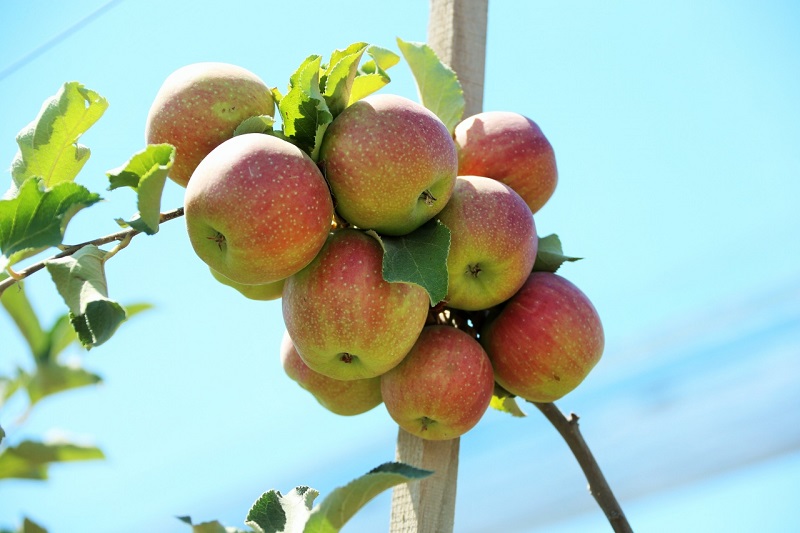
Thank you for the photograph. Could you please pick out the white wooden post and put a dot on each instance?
(457, 32)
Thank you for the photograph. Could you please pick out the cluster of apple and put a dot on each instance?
(272, 222)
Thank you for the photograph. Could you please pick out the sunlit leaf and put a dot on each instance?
(340, 75)
(36, 218)
(340, 506)
(17, 305)
(257, 124)
(51, 378)
(212, 526)
(48, 146)
(81, 281)
(437, 84)
(419, 257)
(505, 402)
(274, 512)
(29, 459)
(303, 109)
(146, 173)
(372, 75)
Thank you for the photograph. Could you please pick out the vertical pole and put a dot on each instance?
(457, 33)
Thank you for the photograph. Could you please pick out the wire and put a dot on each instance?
(30, 56)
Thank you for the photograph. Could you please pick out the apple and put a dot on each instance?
(511, 148)
(545, 340)
(345, 398)
(265, 291)
(443, 386)
(257, 209)
(346, 321)
(493, 243)
(390, 162)
(199, 106)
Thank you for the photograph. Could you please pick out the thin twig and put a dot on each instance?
(121, 236)
(567, 426)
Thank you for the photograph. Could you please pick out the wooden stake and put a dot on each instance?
(457, 33)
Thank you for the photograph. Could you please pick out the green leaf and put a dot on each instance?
(146, 173)
(437, 84)
(303, 109)
(504, 401)
(549, 256)
(29, 526)
(273, 512)
(81, 281)
(419, 257)
(48, 146)
(340, 76)
(51, 378)
(209, 527)
(372, 76)
(2, 434)
(19, 307)
(9, 386)
(36, 218)
(29, 459)
(340, 506)
(257, 124)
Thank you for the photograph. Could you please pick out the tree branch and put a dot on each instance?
(69, 250)
(598, 486)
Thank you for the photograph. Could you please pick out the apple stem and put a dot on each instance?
(567, 427)
(428, 198)
(70, 250)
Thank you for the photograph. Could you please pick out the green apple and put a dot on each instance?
(511, 148)
(390, 163)
(345, 398)
(443, 386)
(493, 243)
(346, 321)
(199, 106)
(257, 209)
(265, 291)
(545, 340)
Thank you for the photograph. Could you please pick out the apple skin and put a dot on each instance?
(257, 209)
(263, 292)
(346, 321)
(346, 398)
(199, 106)
(380, 156)
(545, 340)
(443, 386)
(510, 148)
(493, 243)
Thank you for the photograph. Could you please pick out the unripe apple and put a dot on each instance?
(264, 291)
(346, 321)
(493, 243)
(257, 209)
(510, 148)
(199, 106)
(390, 162)
(545, 340)
(345, 398)
(443, 386)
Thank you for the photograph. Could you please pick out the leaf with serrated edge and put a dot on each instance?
(340, 506)
(340, 76)
(419, 257)
(273, 512)
(303, 109)
(17, 305)
(372, 76)
(48, 146)
(257, 124)
(146, 173)
(549, 256)
(81, 281)
(36, 218)
(437, 84)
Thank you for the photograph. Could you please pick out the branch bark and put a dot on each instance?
(567, 426)
(69, 250)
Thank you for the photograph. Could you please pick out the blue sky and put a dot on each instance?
(676, 130)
